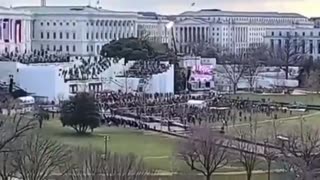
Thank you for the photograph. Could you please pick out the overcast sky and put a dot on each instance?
(305, 7)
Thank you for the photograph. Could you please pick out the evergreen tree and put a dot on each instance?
(81, 113)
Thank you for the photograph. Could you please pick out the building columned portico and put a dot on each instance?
(15, 30)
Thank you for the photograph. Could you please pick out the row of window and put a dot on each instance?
(110, 23)
(91, 49)
(65, 48)
(61, 35)
(106, 35)
(55, 24)
(295, 33)
(301, 47)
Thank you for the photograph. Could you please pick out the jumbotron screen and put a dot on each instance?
(202, 73)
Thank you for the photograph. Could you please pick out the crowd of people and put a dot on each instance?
(219, 111)
(87, 68)
(141, 69)
(35, 57)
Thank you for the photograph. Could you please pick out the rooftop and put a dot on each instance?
(218, 12)
(70, 10)
(5, 10)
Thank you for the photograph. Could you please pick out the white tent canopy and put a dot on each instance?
(197, 103)
(27, 99)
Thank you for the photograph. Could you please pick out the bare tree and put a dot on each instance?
(7, 171)
(301, 151)
(40, 157)
(12, 128)
(89, 164)
(270, 156)
(234, 66)
(293, 52)
(248, 157)
(203, 151)
(314, 80)
(256, 57)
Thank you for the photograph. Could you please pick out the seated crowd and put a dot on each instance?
(86, 69)
(142, 69)
(35, 57)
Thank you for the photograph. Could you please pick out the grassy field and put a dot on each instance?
(282, 126)
(157, 150)
(311, 99)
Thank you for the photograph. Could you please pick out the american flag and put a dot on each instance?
(6, 30)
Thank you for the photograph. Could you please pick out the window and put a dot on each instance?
(48, 35)
(74, 48)
(41, 23)
(91, 48)
(279, 43)
(74, 35)
(54, 35)
(303, 46)
(97, 35)
(318, 46)
(48, 47)
(61, 35)
(303, 34)
(67, 48)
(311, 46)
(280, 33)
(87, 35)
(61, 24)
(296, 33)
(272, 33)
(272, 43)
(101, 35)
(288, 34)
(67, 24)
(54, 48)
(67, 35)
(41, 35)
(48, 24)
(106, 35)
(87, 48)
(60, 48)
(74, 24)
(41, 46)
(311, 33)
(92, 36)
(54, 24)
(98, 49)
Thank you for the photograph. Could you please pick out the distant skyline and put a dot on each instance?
(308, 8)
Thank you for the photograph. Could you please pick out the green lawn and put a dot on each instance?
(283, 126)
(157, 149)
(311, 99)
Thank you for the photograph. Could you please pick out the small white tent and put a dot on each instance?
(197, 103)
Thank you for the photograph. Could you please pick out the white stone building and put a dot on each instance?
(15, 30)
(230, 30)
(153, 27)
(308, 39)
(78, 30)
